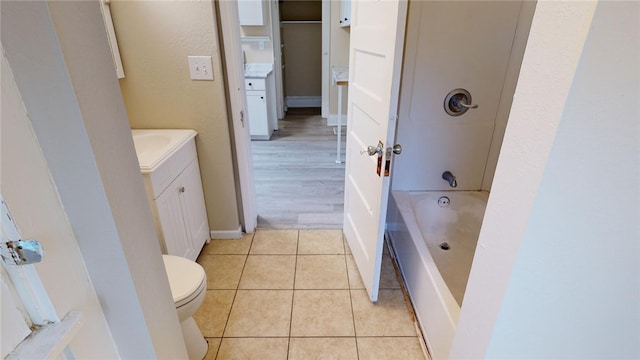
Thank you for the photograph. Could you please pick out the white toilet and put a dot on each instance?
(188, 283)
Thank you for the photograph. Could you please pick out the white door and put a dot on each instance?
(375, 58)
(15, 323)
(25, 303)
(14, 327)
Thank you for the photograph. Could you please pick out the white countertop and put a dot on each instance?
(257, 70)
(153, 146)
(340, 75)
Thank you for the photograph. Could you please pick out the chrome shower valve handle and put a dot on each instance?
(457, 102)
(473, 106)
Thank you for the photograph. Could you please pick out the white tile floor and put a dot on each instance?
(296, 294)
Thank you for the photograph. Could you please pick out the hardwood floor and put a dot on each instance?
(299, 185)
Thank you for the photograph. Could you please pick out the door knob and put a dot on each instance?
(397, 149)
(374, 150)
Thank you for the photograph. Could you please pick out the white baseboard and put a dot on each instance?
(332, 120)
(227, 234)
(303, 101)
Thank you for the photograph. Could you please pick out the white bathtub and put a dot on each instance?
(417, 226)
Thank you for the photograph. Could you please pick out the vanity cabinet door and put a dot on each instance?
(182, 214)
(174, 230)
(193, 209)
(259, 126)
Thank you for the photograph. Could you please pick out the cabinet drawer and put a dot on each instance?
(254, 84)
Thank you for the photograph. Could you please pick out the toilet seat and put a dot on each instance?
(187, 279)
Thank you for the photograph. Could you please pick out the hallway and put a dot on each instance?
(299, 185)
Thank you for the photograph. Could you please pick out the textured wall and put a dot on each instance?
(155, 38)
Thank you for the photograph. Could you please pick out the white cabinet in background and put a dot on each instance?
(345, 13)
(174, 189)
(250, 13)
(263, 118)
(259, 124)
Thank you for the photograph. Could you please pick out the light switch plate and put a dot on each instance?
(200, 68)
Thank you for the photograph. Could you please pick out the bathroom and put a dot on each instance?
(581, 20)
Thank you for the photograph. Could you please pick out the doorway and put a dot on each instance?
(297, 181)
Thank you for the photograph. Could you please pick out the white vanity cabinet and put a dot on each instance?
(250, 13)
(260, 90)
(174, 190)
(345, 13)
(260, 127)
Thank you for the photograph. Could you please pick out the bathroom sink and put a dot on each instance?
(148, 143)
(154, 146)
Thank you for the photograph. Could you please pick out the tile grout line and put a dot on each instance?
(235, 295)
(293, 293)
(353, 315)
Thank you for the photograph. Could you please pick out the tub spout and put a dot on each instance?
(447, 175)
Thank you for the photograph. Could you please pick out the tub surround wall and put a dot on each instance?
(155, 39)
(467, 145)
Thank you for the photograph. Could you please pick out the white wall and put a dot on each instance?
(252, 51)
(34, 204)
(556, 269)
(575, 290)
(64, 71)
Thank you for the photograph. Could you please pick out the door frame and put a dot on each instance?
(274, 13)
(326, 58)
(229, 27)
